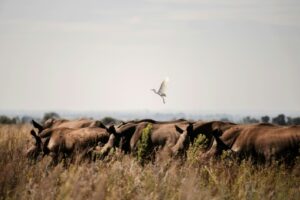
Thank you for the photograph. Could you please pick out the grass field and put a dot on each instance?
(122, 177)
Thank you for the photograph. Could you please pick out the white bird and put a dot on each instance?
(162, 90)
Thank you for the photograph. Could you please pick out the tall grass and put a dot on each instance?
(122, 177)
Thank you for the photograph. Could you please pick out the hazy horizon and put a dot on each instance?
(139, 114)
(221, 56)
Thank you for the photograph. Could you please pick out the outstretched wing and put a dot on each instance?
(163, 87)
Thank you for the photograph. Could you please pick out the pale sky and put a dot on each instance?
(222, 56)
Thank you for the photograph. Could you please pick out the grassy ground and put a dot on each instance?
(121, 177)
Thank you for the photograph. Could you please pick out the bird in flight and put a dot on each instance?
(162, 90)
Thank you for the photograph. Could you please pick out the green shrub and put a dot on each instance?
(200, 143)
(144, 145)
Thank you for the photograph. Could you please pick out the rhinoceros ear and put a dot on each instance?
(32, 132)
(112, 129)
(37, 125)
(178, 129)
(190, 128)
(100, 125)
(36, 137)
(220, 144)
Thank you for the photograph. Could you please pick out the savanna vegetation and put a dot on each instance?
(121, 176)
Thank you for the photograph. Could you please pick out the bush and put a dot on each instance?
(144, 145)
(200, 143)
(265, 119)
(280, 120)
(6, 120)
(50, 115)
(249, 120)
(293, 121)
(109, 121)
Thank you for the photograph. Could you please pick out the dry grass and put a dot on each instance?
(122, 177)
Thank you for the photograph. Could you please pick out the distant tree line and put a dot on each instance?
(7, 120)
(49, 115)
(281, 119)
(26, 119)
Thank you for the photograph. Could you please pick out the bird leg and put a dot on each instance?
(163, 100)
